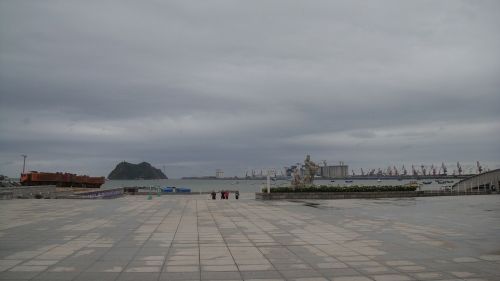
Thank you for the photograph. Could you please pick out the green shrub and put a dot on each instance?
(355, 188)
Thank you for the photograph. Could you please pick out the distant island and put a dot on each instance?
(129, 171)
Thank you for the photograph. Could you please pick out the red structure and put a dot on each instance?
(60, 180)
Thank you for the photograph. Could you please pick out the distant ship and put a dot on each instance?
(60, 180)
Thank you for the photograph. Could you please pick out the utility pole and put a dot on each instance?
(24, 161)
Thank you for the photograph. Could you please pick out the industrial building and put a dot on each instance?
(335, 171)
(325, 171)
(219, 173)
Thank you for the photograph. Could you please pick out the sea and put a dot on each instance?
(247, 186)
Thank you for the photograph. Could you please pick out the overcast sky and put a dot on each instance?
(240, 85)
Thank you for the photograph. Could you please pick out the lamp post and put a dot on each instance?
(24, 161)
(268, 181)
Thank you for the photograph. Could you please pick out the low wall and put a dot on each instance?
(98, 194)
(6, 195)
(358, 195)
(28, 192)
(53, 192)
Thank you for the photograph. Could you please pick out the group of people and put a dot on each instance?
(225, 195)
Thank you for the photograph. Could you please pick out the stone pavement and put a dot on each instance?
(193, 238)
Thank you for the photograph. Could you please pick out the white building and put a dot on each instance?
(219, 173)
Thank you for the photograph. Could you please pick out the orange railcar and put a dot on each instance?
(61, 179)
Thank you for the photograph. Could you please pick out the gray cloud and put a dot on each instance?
(239, 85)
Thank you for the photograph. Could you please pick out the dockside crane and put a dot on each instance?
(396, 173)
(362, 172)
(433, 169)
(414, 171)
(459, 169)
(424, 171)
(404, 170)
(443, 170)
(479, 167)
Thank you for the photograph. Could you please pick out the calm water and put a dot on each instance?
(252, 185)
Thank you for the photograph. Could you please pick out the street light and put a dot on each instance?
(24, 161)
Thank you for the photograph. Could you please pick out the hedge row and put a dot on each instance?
(355, 188)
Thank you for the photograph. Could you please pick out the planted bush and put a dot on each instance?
(354, 188)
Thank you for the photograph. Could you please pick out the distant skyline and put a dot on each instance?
(241, 85)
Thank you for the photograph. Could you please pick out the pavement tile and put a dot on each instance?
(138, 276)
(392, 277)
(261, 275)
(178, 268)
(463, 274)
(428, 275)
(226, 275)
(300, 273)
(274, 279)
(53, 276)
(465, 259)
(96, 276)
(254, 267)
(411, 268)
(143, 269)
(219, 268)
(352, 278)
(35, 268)
(399, 263)
(490, 257)
(18, 275)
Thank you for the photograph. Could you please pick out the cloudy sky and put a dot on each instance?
(240, 85)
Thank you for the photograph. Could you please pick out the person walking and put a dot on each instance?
(237, 194)
(213, 194)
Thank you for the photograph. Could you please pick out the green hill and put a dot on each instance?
(129, 171)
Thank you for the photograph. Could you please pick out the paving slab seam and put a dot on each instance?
(142, 246)
(176, 229)
(79, 236)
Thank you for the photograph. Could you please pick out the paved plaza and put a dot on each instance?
(189, 237)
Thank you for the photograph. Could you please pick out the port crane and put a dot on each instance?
(414, 171)
(404, 171)
(459, 169)
(443, 170)
(433, 169)
(479, 167)
(424, 171)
